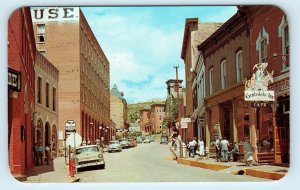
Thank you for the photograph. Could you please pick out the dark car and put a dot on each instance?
(132, 142)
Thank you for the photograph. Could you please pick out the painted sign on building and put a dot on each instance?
(256, 89)
(58, 14)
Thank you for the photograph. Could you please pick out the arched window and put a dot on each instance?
(262, 46)
(223, 74)
(211, 77)
(283, 33)
(239, 65)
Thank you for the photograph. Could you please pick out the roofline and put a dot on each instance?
(187, 30)
(220, 31)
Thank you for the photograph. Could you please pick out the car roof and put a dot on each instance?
(86, 146)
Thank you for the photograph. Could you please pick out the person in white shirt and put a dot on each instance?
(224, 150)
(191, 147)
(201, 148)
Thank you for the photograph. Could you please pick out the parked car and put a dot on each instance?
(139, 139)
(147, 140)
(114, 146)
(152, 139)
(132, 142)
(124, 143)
(164, 139)
(88, 156)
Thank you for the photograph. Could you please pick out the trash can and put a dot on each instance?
(184, 150)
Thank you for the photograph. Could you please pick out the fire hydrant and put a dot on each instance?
(71, 167)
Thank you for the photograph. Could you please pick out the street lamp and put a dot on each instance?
(100, 131)
(88, 138)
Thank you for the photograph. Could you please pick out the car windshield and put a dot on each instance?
(114, 142)
(86, 150)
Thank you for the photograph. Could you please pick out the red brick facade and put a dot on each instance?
(21, 57)
(270, 23)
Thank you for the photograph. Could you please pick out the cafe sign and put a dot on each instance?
(256, 88)
(259, 95)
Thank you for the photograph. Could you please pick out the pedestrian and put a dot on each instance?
(36, 154)
(84, 142)
(201, 148)
(191, 147)
(196, 144)
(235, 152)
(248, 157)
(218, 149)
(40, 149)
(48, 153)
(224, 150)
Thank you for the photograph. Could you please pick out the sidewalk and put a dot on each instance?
(55, 172)
(235, 168)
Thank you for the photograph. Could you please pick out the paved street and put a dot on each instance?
(151, 163)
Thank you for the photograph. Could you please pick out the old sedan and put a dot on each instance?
(88, 156)
(114, 146)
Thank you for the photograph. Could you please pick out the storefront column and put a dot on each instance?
(234, 120)
(276, 143)
(207, 131)
(253, 135)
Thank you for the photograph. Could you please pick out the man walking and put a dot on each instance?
(36, 154)
(40, 149)
(224, 150)
(47, 153)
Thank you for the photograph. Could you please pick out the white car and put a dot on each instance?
(147, 140)
(114, 146)
(88, 156)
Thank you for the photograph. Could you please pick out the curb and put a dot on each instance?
(72, 179)
(204, 165)
(246, 171)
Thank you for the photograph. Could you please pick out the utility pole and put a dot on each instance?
(179, 111)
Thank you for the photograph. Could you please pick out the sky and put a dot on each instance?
(143, 44)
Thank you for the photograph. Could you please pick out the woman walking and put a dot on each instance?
(201, 148)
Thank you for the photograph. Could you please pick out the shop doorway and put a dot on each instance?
(283, 126)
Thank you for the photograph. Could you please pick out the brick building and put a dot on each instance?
(156, 117)
(46, 112)
(118, 109)
(226, 62)
(144, 120)
(195, 32)
(269, 42)
(64, 37)
(21, 88)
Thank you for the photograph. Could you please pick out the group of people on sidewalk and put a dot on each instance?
(196, 147)
(226, 151)
(40, 154)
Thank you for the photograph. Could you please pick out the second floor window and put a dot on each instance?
(41, 33)
(39, 92)
(239, 66)
(264, 52)
(54, 100)
(211, 77)
(223, 74)
(47, 95)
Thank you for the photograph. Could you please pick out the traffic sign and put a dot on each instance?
(70, 125)
(74, 140)
(186, 120)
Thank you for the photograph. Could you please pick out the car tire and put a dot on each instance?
(102, 166)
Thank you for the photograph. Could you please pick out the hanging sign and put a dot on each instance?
(256, 88)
